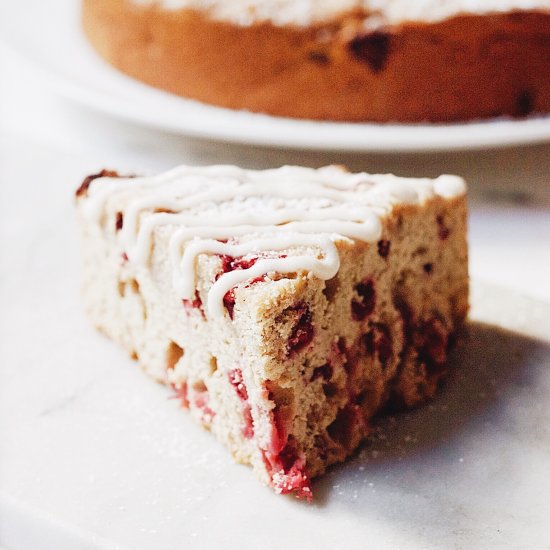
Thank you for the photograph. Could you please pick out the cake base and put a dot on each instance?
(463, 68)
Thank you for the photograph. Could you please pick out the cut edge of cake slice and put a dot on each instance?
(285, 307)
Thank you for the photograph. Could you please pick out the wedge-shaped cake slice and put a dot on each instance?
(285, 307)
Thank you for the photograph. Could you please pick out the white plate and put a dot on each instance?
(48, 33)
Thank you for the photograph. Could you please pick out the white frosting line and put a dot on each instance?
(324, 268)
(296, 210)
(359, 224)
(306, 12)
(449, 186)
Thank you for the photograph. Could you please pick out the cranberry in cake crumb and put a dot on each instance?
(119, 221)
(324, 372)
(229, 296)
(302, 332)
(443, 231)
(384, 248)
(284, 307)
(200, 400)
(378, 343)
(373, 49)
(181, 393)
(236, 380)
(364, 305)
(229, 302)
(82, 190)
(383, 347)
(195, 304)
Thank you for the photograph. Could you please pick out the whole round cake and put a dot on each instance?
(347, 60)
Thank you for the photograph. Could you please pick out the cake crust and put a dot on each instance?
(347, 68)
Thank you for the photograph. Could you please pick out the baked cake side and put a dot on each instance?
(285, 307)
(375, 60)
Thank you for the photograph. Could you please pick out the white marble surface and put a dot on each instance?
(92, 455)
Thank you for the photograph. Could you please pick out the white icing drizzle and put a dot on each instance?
(223, 210)
(307, 12)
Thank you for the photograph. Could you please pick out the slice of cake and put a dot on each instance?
(285, 307)
(347, 60)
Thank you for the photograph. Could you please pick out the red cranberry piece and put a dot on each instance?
(280, 420)
(362, 308)
(200, 400)
(288, 472)
(124, 257)
(190, 305)
(229, 298)
(82, 190)
(255, 280)
(181, 393)
(384, 248)
(119, 222)
(442, 230)
(248, 428)
(289, 455)
(279, 432)
(229, 302)
(378, 342)
(229, 263)
(292, 481)
(282, 460)
(373, 48)
(226, 264)
(383, 344)
(302, 332)
(341, 346)
(236, 380)
(242, 263)
(296, 481)
(330, 390)
(324, 372)
(368, 343)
